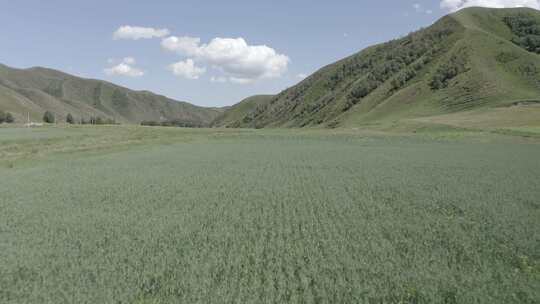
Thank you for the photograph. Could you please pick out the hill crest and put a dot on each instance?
(38, 89)
(473, 59)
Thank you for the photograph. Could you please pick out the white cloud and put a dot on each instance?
(124, 68)
(218, 79)
(454, 5)
(240, 62)
(129, 60)
(137, 32)
(187, 69)
(301, 76)
(188, 46)
(420, 9)
(240, 80)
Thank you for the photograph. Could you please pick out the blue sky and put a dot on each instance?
(170, 47)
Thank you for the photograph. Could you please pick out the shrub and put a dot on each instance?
(402, 78)
(48, 117)
(69, 119)
(526, 30)
(447, 71)
(9, 118)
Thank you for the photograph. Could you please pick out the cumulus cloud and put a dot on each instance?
(188, 46)
(240, 62)
(454, 5)
(137, 32)
(124, 68)
(301, 76)
(420, 9)
(129, 60)
(218, 79)
(187, 69)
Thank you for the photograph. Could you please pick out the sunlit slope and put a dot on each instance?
(474, 59)
(38, 90)
(233, 116)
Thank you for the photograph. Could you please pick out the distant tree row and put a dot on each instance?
(50, 117)
(98, 121)
(526, 30)
(6, 117)
(172, 123)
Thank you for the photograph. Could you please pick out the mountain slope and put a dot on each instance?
(37, 90)
(473, 59)
(233, 115)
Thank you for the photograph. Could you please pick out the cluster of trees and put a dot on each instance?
(6, 117)
(98, 121)
(363, 73)
(50, 117)
(447, 71)
(172, 123)
(526, 30)
(399, 60)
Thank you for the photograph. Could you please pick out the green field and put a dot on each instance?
(155, 215)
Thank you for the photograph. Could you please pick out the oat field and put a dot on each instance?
(140, 215)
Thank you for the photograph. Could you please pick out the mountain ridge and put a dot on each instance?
(471, 59)
(38, 89)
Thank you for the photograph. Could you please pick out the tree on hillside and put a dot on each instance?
(69, 119)
(9, 118)
(48, 117)
(2, 117)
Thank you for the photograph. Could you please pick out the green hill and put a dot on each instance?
(471, 61)
(37, 90)
(233, 116)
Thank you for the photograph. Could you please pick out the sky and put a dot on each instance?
(209, 53)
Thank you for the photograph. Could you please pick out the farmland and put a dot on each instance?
(157, 215)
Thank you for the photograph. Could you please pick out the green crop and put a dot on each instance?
(214, 216)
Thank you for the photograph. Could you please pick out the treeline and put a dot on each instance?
(98, 121)
(399, 61)
(50, 117)
(449, 70)
(396, 62)
(6, 117)
(526, 30)
(172, 123)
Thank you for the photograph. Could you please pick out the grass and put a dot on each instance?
(156, 215)
(521, 116)
(237, 112)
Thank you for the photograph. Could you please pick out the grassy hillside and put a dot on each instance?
(37, 90)
(233, 116)
(474, 59)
